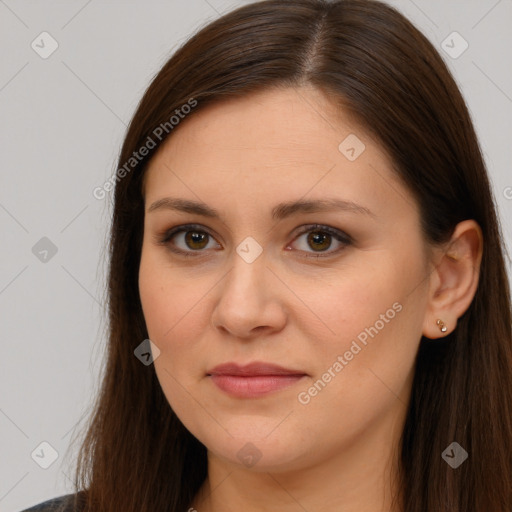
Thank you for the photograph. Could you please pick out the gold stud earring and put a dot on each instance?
(441, 325)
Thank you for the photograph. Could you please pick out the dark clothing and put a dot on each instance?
(61, 504)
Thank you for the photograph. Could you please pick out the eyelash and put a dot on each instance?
(165, 239)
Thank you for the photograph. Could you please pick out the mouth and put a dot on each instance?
(253, 380)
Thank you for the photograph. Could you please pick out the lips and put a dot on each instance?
(252, 370)
(253, 380)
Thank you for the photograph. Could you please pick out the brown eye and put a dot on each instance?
(319, 241)
(196, 239)
(189, 240)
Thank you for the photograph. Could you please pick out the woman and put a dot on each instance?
(303, 227)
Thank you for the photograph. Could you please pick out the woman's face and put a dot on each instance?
(294, 245)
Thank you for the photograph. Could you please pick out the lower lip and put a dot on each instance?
(253, 387)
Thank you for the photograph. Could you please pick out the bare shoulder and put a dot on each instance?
(67, 503)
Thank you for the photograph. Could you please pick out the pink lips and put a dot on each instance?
(254, 379)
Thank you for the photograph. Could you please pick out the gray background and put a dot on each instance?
(62, 120)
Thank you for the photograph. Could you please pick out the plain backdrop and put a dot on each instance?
(62, 121)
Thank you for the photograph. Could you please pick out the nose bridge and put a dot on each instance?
(247, 277)
(245, 300)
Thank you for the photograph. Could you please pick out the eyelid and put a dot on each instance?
(163, 238)
(306, 228)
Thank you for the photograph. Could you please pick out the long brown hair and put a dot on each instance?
(137, 456)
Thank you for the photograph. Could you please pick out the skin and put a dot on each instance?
(291, 306)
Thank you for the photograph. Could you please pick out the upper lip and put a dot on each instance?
(252, 369)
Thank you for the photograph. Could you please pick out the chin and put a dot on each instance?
(259, 454)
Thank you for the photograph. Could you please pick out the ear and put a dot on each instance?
(454, 280)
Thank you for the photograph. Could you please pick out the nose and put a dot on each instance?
(249, 301)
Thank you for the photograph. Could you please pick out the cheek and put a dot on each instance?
(175, 320)
(343, 303)
(158, 305)
(174, 308)
(371, 315)
(170, 310)
(160, 294)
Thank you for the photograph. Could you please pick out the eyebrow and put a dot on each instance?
(279, 212)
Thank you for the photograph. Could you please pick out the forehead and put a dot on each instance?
(278, 118)
(274, 142)
(274, 129)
